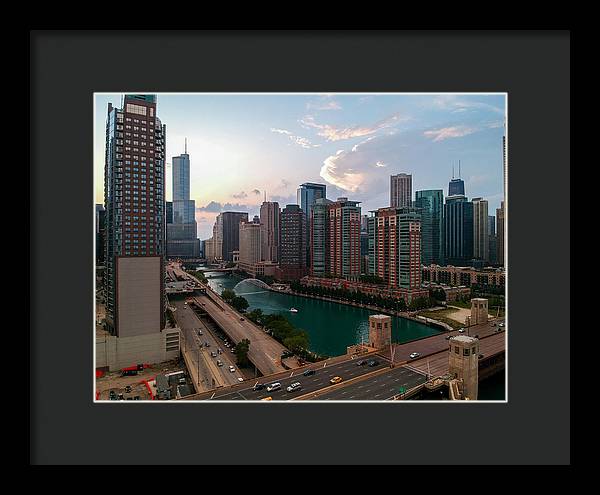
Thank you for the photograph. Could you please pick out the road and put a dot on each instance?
(378, 387)
(195, 348)
(347, 370)
(265, 352)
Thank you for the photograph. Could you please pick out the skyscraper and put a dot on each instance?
(269, 220)
(500, 233)
(134, 199)
(319, 237)
(100, 233)
(458, 231)
(343, 238)
(307, 194)
(400, 190)
(250, 245)
(481, 244)
(430, 204)
(231, 232)
(292, 257)
(395, 247)
(493, 246)
(182, 236)
(456, 186)
(169, 211)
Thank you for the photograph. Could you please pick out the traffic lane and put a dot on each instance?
(346, 370)
(189, 319)
(380, 387)
(437, 343)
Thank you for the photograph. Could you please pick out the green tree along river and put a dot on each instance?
(331, 326)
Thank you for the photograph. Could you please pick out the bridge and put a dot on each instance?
(395, 371)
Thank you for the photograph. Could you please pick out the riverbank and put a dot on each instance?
(400, 314)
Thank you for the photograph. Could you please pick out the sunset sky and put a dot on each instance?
(241, 145)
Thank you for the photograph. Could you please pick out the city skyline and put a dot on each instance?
(243, 146)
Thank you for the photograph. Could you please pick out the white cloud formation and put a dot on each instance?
(324, 103)
(333, 133)
(381, 164)
(455, 104)
(300, 141)
(449, 132)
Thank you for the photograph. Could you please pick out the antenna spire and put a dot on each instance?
(459, 169)
(453, 170)
(186, 146)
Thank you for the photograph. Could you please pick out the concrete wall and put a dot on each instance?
(139, 296)
(119, 352)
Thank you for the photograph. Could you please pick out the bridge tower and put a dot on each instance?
(479, 311)
(463, 363)
(380, 331)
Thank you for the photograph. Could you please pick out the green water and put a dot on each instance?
(331, 326)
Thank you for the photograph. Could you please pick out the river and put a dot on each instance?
(331, 326)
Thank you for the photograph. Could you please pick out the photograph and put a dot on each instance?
(300, 247)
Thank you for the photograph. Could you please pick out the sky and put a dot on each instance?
(242, 146)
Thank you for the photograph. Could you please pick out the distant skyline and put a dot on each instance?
(241, 145)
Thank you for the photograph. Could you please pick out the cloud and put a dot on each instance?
(216, 207)
(454, 104)
(348, 179)
(240, 195)
(300, 141)
(449, 132)
(255, 191)
(324, 103)
(381, 164)
(333, 133)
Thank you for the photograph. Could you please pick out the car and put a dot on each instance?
(480, 356)
(335, 379)
(501, 325)
(414, 355)
(232, 369)
(258, 386)
(206, 344)
(219, 362)
(232, 351)
(226, 344)
(213, 354)
(372, 362)
(240, 379)
(267, 398)
(112, 395)
(448, 337)
(241, 319)
(294, 387)
(476, 336)
(200, 332)
(309, 372)
(361, 362)
(128, 388)
(220, 351)
(274, 386)
(461, 330)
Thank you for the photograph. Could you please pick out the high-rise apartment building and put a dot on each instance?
(500, 233)
(169, 211)
(250, 244)
(231, 232)
(430, 204)
(319, 237)
(395, 247)
(269, 220)
(307, 194)
(100, 233)
(481, 242)
(400, 190)
(292, 259)
(134, 198)
(458, 231)
(343, 238)
(493, 246)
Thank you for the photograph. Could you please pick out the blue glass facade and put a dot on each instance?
(458, 231)
(430, 204)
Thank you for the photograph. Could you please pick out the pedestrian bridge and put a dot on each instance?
(253, 281)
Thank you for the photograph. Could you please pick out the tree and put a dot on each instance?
(227, 295)
(256, 315)
(297, 343)
(240, 303)
(241, 353)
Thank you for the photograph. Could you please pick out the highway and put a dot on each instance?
(347, 370)
(265, 352)
(378, 387)
(190, 324)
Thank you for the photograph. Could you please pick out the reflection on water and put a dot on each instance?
(331, 326)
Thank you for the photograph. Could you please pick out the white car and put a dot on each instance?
(240, 379)
(461, 330)
(232, 369)
(274, 386)
(414, 355)
(294, 386)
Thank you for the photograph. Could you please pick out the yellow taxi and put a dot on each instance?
(335, 379)
(267, 398)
